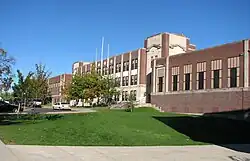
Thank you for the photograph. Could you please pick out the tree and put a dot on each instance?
(109, 89)
(131, 102)
(40, 80)
(92, 85)
(34, 85)
(24, 88)
(6, 63)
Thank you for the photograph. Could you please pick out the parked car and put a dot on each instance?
(61, 106)
(6, 107)
(37, 103)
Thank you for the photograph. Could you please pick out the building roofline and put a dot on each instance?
(217, 46)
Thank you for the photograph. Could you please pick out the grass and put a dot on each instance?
(108, 127)
(145, 126)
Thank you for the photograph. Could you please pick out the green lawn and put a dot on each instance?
(107, 127)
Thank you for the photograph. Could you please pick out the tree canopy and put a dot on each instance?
(6, 63)
(92, 85)
(34, 85)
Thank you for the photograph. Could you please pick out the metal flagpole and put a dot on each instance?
(96, 57)
(102, 55)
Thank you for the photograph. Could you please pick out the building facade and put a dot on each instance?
(210, 80)
(128, 70)
(56, 86)
(170, 73)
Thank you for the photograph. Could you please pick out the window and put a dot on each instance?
(233, 72)
(175, 78)
(105, 71)
(111, 69)
(175, 82)
(123, 96)
(126, 81)
(216, 74)
(118, 68)
(233, 77)
(118, 81)
(187, 81)
(133, 94)
(134, 64)
(201, 75)
(117, 97)
(187, 77)
(216, 79)
(126, 95)
(126, 66)
(123, 81)
(133, 80)
(99, 70)
(160, 84)
(201, 80)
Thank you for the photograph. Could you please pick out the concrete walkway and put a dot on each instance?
(169, 153)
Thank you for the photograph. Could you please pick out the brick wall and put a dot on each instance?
(203, 101)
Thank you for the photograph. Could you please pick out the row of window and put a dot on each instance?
(216, 75)
(110, 70)
(125, 95)
(125, 81)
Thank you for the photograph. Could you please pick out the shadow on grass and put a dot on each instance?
(7, 119)
(6, 122)
(220, 131)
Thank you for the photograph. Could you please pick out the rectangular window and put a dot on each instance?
(216, 74)
(233, 77)
(132, 64)
(136, 63)
(216, 78)
(118, 68)
(126, 96)
(135, 82)
(132, 80)
(175, 82)
(201, 80)
(175, 78)
(160, 84)
(125, 66)
(133, 94)
(201, 75)
(123, 81)
(126, 80)
(187, 81)
(111, 69)
(233, 72)
(187, 84)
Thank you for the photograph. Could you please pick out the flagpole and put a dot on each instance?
(102, 55)
(96, 57)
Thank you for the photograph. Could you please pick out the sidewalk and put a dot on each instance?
(169, 153)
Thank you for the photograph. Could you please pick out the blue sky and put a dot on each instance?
(60, 32)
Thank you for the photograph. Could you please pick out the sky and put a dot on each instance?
(60, 32)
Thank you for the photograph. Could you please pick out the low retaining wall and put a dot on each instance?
(205, 101)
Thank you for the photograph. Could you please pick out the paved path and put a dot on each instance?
(171, 153)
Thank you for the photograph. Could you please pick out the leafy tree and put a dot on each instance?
(109, 89)
(90, 86)
(131, 103)
(24, 87)
(6, 63)
(40, 80)
(34, 85)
